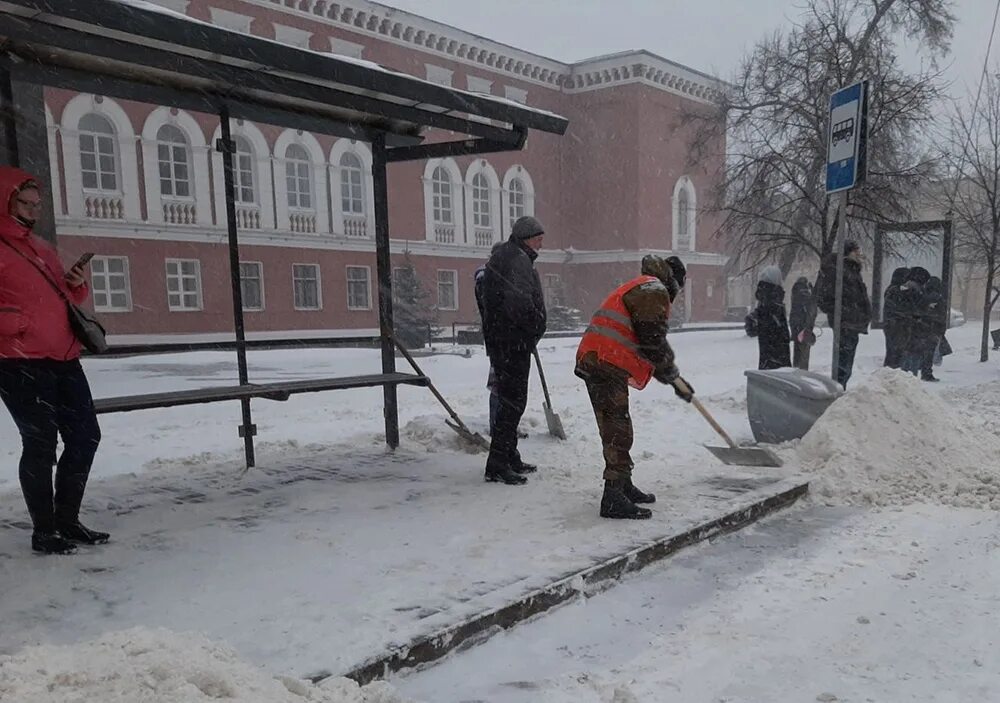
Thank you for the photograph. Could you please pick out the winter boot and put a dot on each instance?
(637, 496)
(504, 474)
(929, 377)
(75, 532)
(616, 505)
(51, 543)
(523, 468)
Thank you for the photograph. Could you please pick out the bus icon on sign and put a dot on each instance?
(843, 131)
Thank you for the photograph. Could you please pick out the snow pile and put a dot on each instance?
(890, 442)
(433, 434)
(143, 665)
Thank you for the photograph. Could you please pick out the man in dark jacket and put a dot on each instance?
(513, 322)
(772, 323)
(802, 320)
(856, 313)
(898, 318)
(912, 302)
(491, 379)
(932, 322)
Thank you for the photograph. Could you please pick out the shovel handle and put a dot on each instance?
(406, 354)
(541, 375)
(683, 388)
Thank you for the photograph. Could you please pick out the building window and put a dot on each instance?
(685, 215)
(515, 193)
(447, 289)
(109, 284)
(98, 154)
(174, 158)
(183, 284)
(306, 287)
(352, 185)
(518, 95)
(359, 294)
(252, 285)
(298, 177)
(683, 226)
(482, 217)
(346, 48)
(439, 74)
(441, 188)
(246, 192)
(552, 289)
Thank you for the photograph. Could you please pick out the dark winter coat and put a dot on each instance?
(932, 315)
(773, 336)
(513, 304)
(898, 306)
(802, 315)
(857, 306)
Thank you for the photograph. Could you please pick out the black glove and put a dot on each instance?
(687, 394)
(666, 374)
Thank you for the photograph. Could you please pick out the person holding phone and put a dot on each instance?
(42, 383)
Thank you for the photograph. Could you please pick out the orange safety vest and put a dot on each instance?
(611, 337)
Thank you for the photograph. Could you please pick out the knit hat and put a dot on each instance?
(678, 269)
(526, 227)
(851, 245)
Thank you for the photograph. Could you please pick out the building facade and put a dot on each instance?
(140, 185)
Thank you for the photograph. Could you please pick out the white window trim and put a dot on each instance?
(347, 280)
(521, 173)
(342, 47)
(454, 273)
(201, 287)
(483, 167)
(263, 187)
(317, 180)
(263, 300)
(518, 95)
(439, 74)
(457, 199)
(685, 184)
(230, 20)
(293, 36)
(364, 154)
(319, 287)
(201, 194)
(128, 285)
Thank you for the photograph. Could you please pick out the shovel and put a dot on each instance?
(460, 428)
(733, 454)
(551, 418)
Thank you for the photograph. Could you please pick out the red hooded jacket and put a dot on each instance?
(34, 323)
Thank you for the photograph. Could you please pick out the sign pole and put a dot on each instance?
(838, 299)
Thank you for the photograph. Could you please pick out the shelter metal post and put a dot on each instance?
(838, 304)
(383, 268)
(227, 146)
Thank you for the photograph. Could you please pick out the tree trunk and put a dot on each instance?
(989, 299)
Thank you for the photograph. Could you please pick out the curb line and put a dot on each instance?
(590, 581)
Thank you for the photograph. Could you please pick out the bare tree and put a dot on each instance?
(772, 194)
(972, 152)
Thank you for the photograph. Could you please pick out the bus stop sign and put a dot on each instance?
(846, 163)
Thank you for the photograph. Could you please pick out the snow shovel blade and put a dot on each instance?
(554, 422)
(745, 456)
(473, 438)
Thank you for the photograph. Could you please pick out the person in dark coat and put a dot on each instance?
(513, 321)
(856, 312)
(934, 323)
(913, 304)
(491, 379)
(773, 337)
(898, 318)
(802, 320)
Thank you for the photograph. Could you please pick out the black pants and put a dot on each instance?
(48, 399)
(800, 355)
(848, 347)
(512, 366)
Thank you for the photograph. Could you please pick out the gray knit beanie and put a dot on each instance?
(526, 227)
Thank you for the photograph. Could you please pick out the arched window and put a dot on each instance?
(441, 190)
(352, 186)
(298, 177)
(174, 159)
(515, 195)
(684, 215)
(683, 226)
(246, 191)
(482, 215)
(98, 154)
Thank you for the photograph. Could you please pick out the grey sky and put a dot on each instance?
(710, 35)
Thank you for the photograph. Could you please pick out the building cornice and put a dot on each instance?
(407, 29)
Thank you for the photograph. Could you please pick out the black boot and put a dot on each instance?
(51, 543)
(75, 532)
(504, 474)
(637, 496)
(929, 377)
(616, 505)
(523, 468)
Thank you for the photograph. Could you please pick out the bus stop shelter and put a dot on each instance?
(135, 50)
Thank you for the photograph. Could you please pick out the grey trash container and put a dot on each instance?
(785, 403)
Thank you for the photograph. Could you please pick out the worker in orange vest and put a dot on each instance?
(626, 345)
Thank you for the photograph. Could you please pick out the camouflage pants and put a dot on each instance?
(609, 397)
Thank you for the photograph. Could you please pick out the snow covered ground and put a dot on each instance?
(334, 549)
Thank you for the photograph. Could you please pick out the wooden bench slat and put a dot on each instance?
(268, 391)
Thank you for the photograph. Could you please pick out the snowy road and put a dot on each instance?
(818, 604)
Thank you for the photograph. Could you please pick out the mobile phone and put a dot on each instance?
(83, 260)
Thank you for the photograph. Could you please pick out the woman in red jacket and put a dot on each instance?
(41, 380)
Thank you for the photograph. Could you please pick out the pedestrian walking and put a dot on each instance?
(856, 308)
(626, 345)
(42, 383)
(773, 337)
(897, 316)
(513, 322)
(802, 322)
(914, 302)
